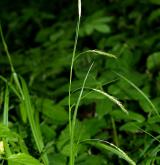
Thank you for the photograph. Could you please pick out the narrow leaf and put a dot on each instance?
(72, 147)
(141, 92)
(11, 86)
(113, 99)
(34, 127)
(114, 149)
(105, 145)
(6, 107)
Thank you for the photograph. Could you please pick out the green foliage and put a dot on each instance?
(24, 159)
(96, 22)
(115, 150)
(153, 61)
(117, 101)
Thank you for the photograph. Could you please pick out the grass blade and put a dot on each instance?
(72, 63)
(11, 86)
(74, 119)
(6, 49)
(6, 107)
(140, 91)
(34, 127)
(25, 98)
(16, 80)
(110, 147)
(70, 80)
(15, 77)
(4, 141)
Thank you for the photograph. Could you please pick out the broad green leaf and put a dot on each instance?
(90, 96)
(23, 159)
(48, 132)
(43, 34)
(104, 19)
(103, 107)
(64, 138)
(53, 111)
(6, 133)
(130, 127)
(88, 29)
(153, 61)
(155, 15)
(153, 127)
(96, 22)
(119, 115)
(88, 124)
(156, 2)
(91, 160)
(146, 107)
(57, 159)
(103, 28)
(153, 120)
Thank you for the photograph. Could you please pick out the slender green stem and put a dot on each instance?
(5, 122)
(74, 119)
(11, 86)
(15, 77)
(70, 86)
(115, 132)
(6, 50)
(6, 106)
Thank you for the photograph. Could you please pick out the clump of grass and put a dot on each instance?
(22, 92)
(71, 126)
(72, 119)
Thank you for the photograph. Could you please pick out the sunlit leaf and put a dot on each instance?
(23, 159)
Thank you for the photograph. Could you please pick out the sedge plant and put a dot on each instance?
(72, 118)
